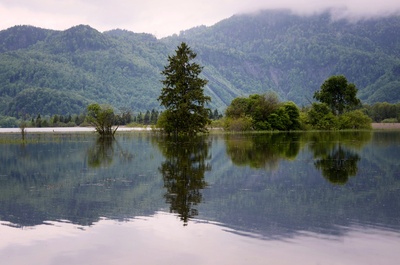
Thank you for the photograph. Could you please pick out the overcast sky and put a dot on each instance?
(165, 17)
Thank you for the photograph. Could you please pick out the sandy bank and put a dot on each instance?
(386, 126)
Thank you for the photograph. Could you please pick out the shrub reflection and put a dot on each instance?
(335, 153)
(262, 151)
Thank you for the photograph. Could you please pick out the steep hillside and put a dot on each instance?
(47, 72)
(117, 68)
(293, 55)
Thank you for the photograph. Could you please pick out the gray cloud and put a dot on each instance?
(164, 18)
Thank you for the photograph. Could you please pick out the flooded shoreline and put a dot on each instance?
(375, 126)
(67, 129)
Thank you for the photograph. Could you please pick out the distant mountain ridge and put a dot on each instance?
(60, 72)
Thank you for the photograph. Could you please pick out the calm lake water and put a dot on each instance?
(299, 198)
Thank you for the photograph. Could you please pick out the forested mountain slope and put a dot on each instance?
(293, 55)
(71, 68)
(60, 72)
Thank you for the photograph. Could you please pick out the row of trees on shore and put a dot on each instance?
(185, 107)
(186, 111)
(338, 108)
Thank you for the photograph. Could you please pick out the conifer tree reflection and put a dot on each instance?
(183, 173)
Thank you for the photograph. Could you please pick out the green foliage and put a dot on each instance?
(320, 117)
(68, 69)
(165, 122)
(279, 120)
(338, 94)
(264, 112)
(381, 111)
(293, 112)
(338, 99)
(215, 115)
(21, 37)
(243, 55)
(238, 108)
(183, 94)
(8, 122)
(45, 100)
(391, 120)
(102, 118)
(354, 120)
(293, 55)
(238, 124)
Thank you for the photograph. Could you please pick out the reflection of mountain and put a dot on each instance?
(183, 173)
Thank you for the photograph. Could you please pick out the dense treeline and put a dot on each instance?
(262, 112)
(337, 109)
(383, 112)
(61, 72)
(266, 112)
(126, 117)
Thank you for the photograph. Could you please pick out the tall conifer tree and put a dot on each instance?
(183, 95)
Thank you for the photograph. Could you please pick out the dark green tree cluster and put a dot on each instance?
(337, 108)
(106, 121)
(148, 118)
(44, 121)
(383, 112)
(183, 95)
(57, 121)
(103, 119)
(338, 94)
(215, 115)
(262, 112)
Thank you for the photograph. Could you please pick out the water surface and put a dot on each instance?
(299, 198)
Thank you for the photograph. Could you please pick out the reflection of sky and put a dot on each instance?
(162, 239)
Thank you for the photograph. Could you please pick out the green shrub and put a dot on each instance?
(354, 120)
(239, 124)
(391, 120)
(8, 122)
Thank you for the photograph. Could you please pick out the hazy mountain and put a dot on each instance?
(46, 71)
